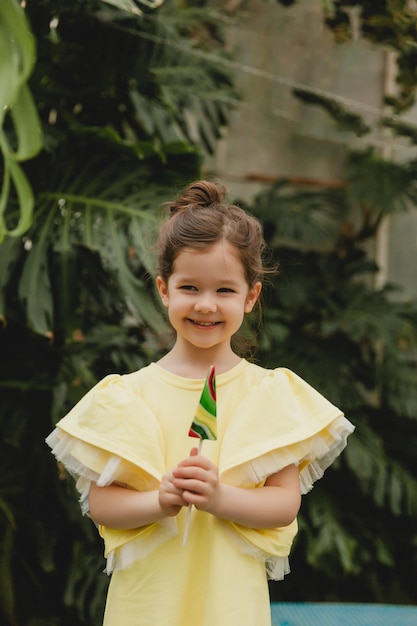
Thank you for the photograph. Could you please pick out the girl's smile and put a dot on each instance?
(207, 296)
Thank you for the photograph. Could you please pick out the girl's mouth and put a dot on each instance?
(204, 324)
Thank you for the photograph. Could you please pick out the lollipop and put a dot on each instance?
(204, 424)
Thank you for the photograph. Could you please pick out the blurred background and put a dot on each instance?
(306, 110)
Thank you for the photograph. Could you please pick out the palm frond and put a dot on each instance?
(34, 288)
(365, 317)
(9, 251)
(381, 185)
(305, 219)
(398, 382)
(402, 129)
(7, 595)
(329, 544)
(86, 589)
(104, 212)
(345, 120)
(132, 7)
(189, 82)
(378, 476)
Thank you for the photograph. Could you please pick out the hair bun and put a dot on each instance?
(202, 194)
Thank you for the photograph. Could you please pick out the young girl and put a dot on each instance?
(127, 441)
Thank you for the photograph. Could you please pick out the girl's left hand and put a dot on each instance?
(198, 478)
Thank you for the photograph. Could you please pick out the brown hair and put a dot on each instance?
(200, 218)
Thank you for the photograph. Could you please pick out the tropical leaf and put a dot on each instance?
(133, 7)
(18, 53)
(345, 120)
(88, 357)
(306, 219)
(364, 316)
(125, 5)
(9, 251)
(398, 383)
(329, 539)
(17, 56)
(382, 478)
(7, 594)
(402, 129)
(86, 589)
(34, 287)
(14, 178)
(381, 185)
(195, 88)
(88, 213)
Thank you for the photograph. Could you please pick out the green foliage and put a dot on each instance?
(357, 344)
(382, 184)
(392, 24)
(129, 104)
(20, 132)
(402, 129)
(117, 118)
(325, 320)
(125, 124)
(304, 218)
(389, 24)
(345, 120)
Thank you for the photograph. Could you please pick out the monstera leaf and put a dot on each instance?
(99, 210)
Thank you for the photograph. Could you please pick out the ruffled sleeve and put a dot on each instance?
(111, 420)
(111, 435)
(282, 420)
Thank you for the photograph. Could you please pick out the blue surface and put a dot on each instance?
(327, 614)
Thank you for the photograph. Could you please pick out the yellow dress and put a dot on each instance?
(131, 429)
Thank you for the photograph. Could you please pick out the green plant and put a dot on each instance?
(20, 130)
(124, 124)
(325, 319)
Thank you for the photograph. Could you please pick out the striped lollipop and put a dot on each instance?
(204, 424)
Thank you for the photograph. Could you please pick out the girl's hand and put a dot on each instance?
(170, 496)
(272, 505)
(197, 479)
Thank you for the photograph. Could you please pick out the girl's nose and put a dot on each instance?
(205, 304)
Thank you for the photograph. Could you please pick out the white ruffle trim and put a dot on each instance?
(276, 566)
(126, 555)
(314, 455)
(63, 447)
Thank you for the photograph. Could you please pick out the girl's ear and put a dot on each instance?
(252, 297)
(162, 287)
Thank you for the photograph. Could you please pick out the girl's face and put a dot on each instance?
(207, 295)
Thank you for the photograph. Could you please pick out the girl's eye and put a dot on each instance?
(188, 288)
(225, 290)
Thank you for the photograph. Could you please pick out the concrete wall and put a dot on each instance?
(272, 134)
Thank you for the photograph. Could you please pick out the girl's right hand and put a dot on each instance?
(170, 497)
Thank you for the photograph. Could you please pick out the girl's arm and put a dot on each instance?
(273, 505)
(115, 506)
